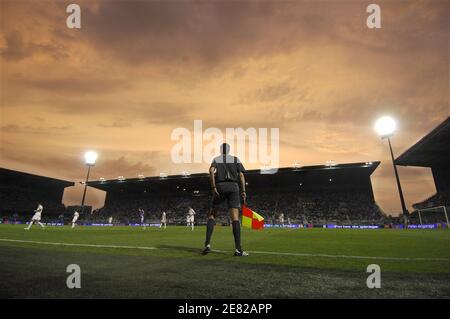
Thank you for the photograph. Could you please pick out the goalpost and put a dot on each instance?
(436, 209)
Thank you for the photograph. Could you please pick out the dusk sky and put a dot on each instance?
(136, 70)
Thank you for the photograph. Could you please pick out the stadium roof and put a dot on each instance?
(16, 178)
(286, 177)
(433, 150)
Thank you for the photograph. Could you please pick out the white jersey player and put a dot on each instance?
(281, 219)
(110, 220)
(163, 220)
(36, 217)
(190, 218)
(142, 217)
(75, 218)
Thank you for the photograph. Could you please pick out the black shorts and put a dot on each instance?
(229, 194)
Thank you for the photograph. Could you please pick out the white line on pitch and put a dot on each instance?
(350, 257)
(222, 251)
(79, 245)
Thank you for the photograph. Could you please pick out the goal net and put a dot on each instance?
(434, 215)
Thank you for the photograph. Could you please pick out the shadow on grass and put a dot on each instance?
(194, 251)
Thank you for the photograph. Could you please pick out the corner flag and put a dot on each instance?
(251, 219)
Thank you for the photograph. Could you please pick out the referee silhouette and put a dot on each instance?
(226, 173)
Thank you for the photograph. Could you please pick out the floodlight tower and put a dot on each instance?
(89, 158)
(385, 127)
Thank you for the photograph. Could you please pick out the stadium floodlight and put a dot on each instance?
(385, 127)
(330, 163)
(163, 175)
(265, 169)
(102, 179)
(121, 178)
(185, 173)
(89, 158)
(141, 176)
(296, 165)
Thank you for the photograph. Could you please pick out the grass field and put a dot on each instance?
(128, 262)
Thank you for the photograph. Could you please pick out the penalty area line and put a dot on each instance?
(223, 251)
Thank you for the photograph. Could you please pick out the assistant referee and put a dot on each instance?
(226, 173)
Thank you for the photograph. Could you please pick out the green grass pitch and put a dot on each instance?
(129, 262)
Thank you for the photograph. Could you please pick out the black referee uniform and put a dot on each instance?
(226, 173)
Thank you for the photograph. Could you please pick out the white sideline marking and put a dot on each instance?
(79, 245)
(350, 257)
(223, 251)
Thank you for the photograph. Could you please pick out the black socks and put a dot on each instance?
(209, 230)
(237, 234)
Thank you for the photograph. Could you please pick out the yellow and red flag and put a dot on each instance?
(251, 219)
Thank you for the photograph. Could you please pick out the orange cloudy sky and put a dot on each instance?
(138, 69)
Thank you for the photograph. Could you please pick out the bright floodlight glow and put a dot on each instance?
(385, 126)
(185, 173)
(330, 163)
(90, 157)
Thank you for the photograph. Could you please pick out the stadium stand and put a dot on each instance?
(432, 151)
(320, 194)
(20, 192)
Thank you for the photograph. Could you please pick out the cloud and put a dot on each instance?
(207, 34)
(196, 32)
(268, 93)
(165, 112)
(116, 124)
(80, 84)
(27, 129)
(15, 49)
(10, 128)
(109, 168)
